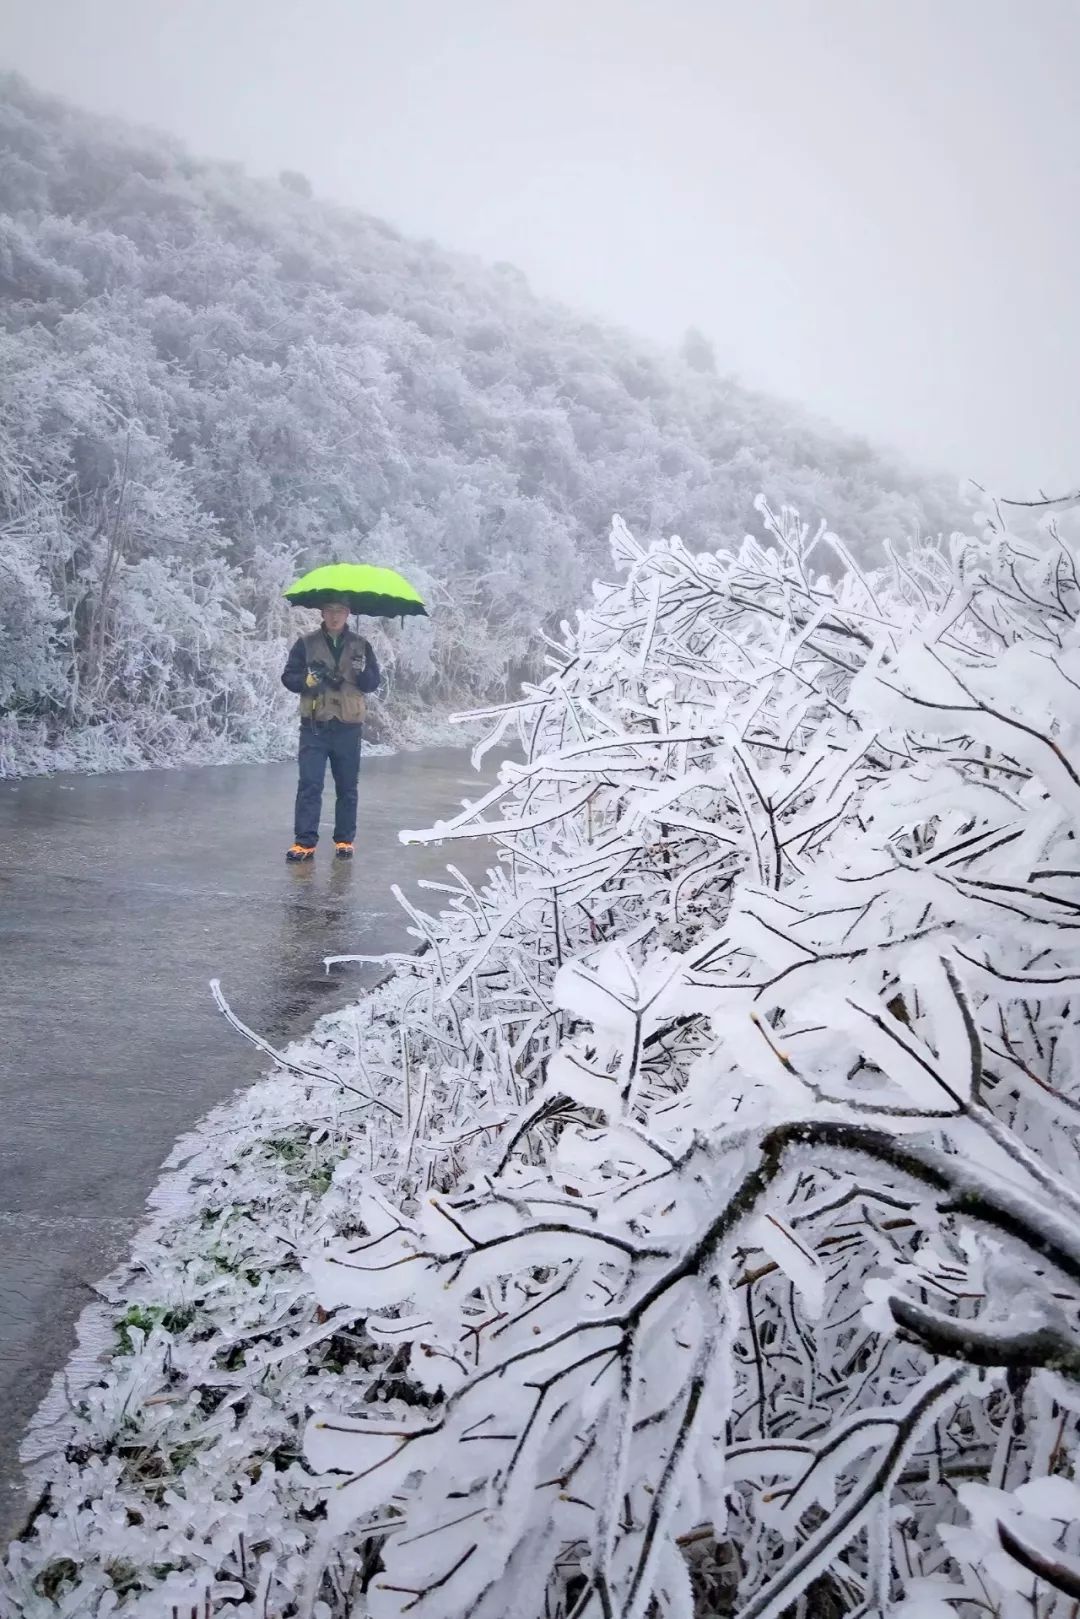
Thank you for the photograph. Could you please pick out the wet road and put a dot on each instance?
(120, 897)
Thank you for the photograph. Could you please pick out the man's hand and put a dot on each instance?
(321, 677)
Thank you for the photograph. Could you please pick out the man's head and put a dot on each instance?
(335, 616)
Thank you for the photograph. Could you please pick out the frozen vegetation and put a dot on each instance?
(691, 1229)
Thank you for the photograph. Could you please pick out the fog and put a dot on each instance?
(870, 208)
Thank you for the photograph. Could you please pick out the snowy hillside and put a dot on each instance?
(208, 381)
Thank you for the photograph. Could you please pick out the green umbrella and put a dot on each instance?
(378, 592)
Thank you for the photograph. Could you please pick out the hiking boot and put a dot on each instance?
(343, 850)
(300, 851)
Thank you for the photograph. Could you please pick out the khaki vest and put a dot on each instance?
(347, 704)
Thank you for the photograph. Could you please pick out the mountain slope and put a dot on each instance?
(208, 381)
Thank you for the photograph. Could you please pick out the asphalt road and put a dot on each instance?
(120, 897)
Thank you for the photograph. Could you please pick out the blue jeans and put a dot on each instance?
(340, 744)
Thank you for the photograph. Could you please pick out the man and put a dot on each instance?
(330, 669)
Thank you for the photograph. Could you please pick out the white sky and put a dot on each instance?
(871, 206)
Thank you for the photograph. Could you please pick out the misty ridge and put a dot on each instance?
(209, 382)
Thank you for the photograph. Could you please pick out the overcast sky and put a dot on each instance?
(872, 206)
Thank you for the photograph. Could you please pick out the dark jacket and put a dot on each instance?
(353, 657)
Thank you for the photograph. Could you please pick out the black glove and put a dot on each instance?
(317, 676)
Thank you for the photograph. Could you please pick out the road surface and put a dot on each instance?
(120, 897)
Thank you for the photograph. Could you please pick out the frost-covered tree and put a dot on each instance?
(293, 180)
(697, 351)
(763, 1285)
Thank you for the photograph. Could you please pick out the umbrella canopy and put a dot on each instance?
(378, 592)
